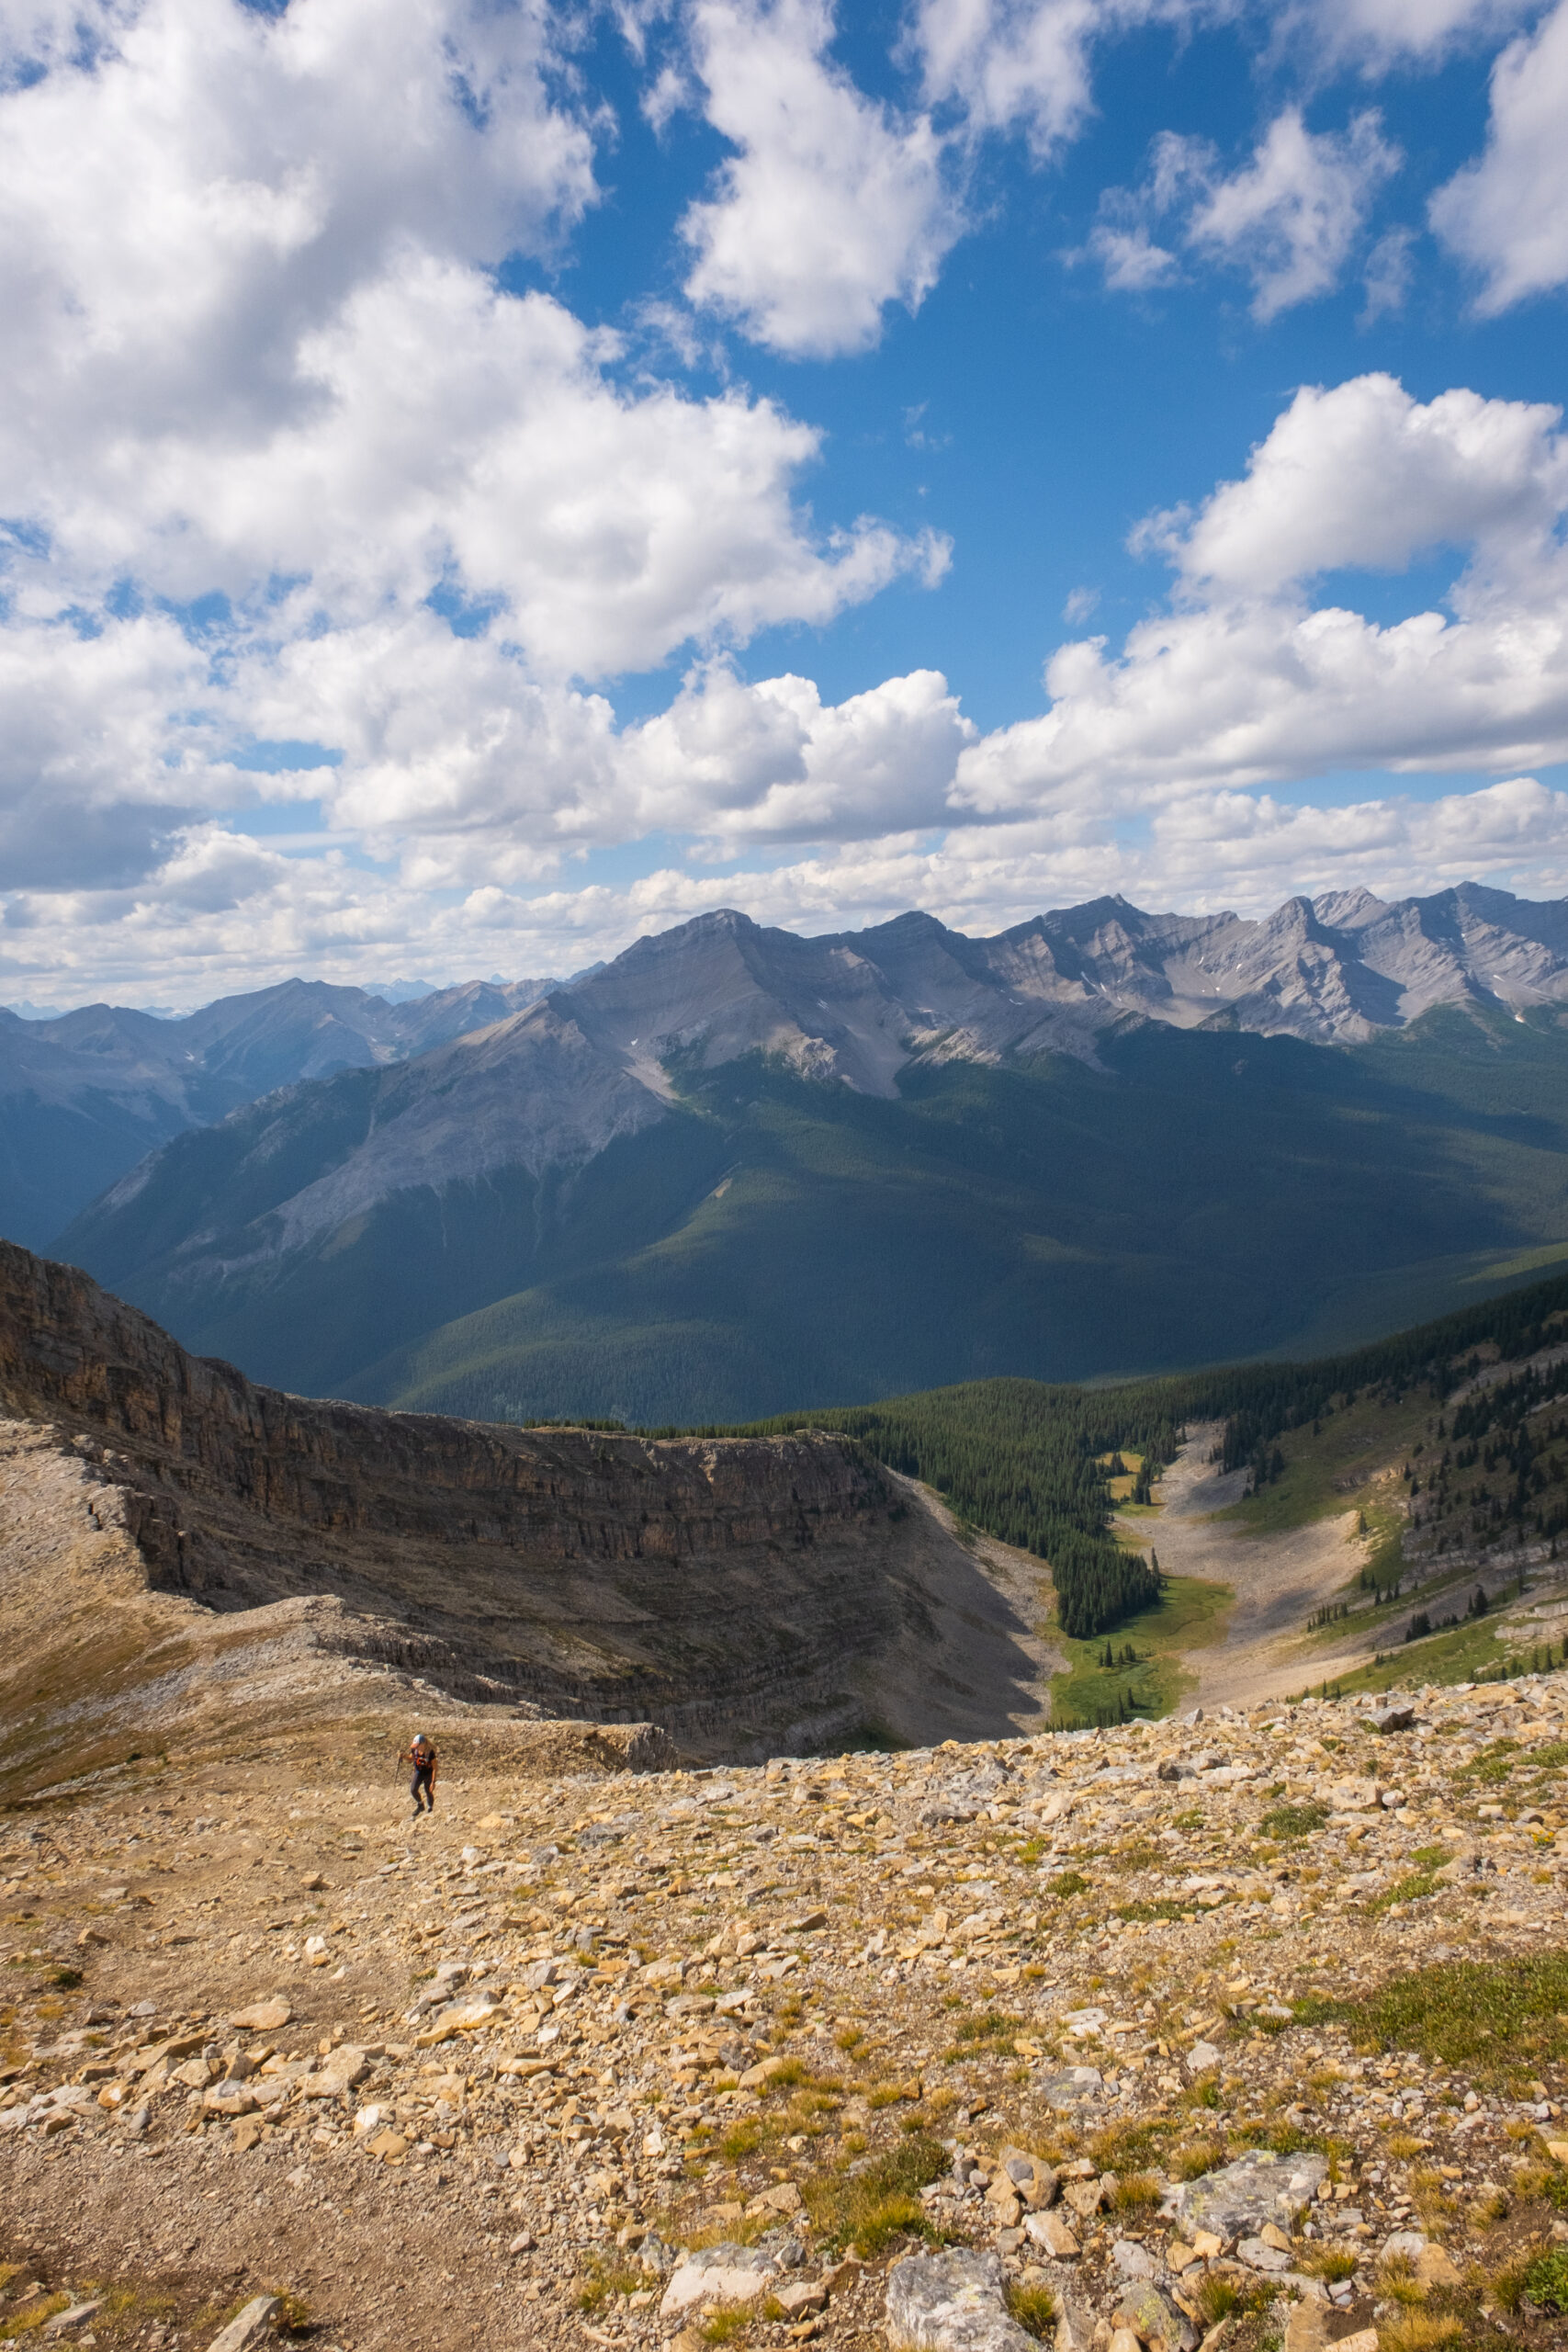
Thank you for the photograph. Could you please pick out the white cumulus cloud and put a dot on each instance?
(1245, 680)
(1008, 62)
(1378, 34)
(1363, 475)
(1291, 218)
(272, 425)
(740, 762)
(286, 461)
(831, 209)
(1506, 214)
(1176, 766)
(1132, 262)
(196, 186)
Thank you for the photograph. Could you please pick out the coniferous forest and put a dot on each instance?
(1025, 1461)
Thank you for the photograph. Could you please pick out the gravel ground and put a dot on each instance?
(484, 2078)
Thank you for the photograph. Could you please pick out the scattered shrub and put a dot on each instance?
(1331, 2263)
(1545, 2280)
(1134, 2190)
(984, 2030)
(1398, 2281)
(1219, 2297)
(600, 2279)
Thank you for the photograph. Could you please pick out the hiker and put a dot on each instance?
(423, 1759)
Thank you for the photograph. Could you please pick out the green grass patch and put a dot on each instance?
(1285, 1823)
(1488, 2016)
(1199, 2156)
(32, 2316)
(1330, 2263)
(1189, 1614)
(1136, 2192)
(1336, 1470)
(1465, 1652)
(879, 2202)
(1283, 2139)
(1220, 2297)
(1129, 2147)
(1409, 1889)
(984, 2030)
(1068, 1883)
(1034, 2308)
(1544, 2281)
(786, 2075)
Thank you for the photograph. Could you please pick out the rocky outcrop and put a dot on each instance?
(740, 1591)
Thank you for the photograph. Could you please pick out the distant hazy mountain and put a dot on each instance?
(84, 1094)
(738, 1170)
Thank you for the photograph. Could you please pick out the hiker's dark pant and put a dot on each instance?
(423, 1784)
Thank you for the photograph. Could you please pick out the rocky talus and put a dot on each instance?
(177, 1543)
(1244, 2029)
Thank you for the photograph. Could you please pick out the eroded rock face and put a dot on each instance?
(711, 1585)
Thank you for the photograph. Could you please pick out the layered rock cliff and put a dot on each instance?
(743, 1592)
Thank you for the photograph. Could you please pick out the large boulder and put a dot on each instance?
(1236, 2200)
(952, 2302)
(726, 2274)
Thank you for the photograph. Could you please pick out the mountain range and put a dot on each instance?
(84, 1095)
(736, 1170)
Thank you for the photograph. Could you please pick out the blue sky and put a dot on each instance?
(484, 480)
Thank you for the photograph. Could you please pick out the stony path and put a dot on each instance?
(505, 2077)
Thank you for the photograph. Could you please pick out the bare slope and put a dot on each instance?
(1248, 2032)
(745, 1593)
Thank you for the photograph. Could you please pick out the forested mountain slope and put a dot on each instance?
(737, 1171)
(1028, 1462)
(769, 1242)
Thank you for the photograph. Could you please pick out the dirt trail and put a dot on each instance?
(1278, 1579)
